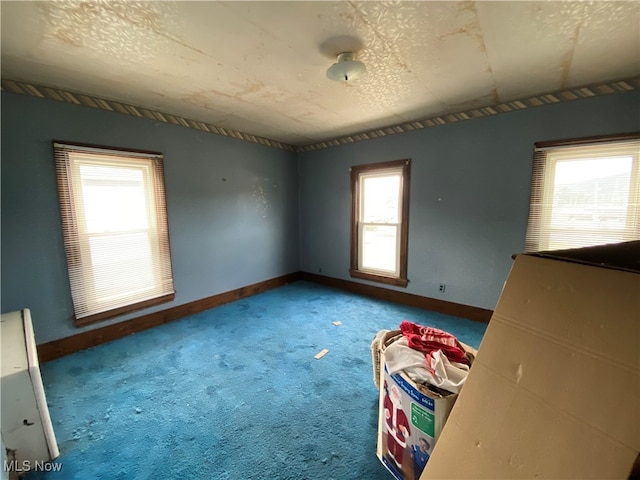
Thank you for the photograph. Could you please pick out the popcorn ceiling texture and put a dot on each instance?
(256, 70)
(104, 26)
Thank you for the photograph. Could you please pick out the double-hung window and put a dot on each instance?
(114, 224)
(380, 222)
(585, 192)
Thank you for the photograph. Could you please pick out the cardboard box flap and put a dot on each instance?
(619, 256)
(555, 388)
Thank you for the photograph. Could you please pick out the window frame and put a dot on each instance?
(76, 250)
(402, 239)
(543, 171)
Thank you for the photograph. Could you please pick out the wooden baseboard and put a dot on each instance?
(65, 346)
(441, 306)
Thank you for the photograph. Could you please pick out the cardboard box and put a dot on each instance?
(554, 391)
(411, 418)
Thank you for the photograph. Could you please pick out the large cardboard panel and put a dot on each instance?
(555, 388)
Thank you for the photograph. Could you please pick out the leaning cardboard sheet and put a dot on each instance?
(555, 389)
(420, 371)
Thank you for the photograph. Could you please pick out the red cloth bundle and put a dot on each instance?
(428, 339)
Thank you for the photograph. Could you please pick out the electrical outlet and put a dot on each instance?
(442, 287)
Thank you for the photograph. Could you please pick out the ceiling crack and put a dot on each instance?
(483, 47)
(568, 57)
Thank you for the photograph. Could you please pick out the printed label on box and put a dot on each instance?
(408, 425)
(423, 420)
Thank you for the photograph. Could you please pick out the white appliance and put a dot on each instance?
(25, 421)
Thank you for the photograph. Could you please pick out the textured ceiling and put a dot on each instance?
(259, 67)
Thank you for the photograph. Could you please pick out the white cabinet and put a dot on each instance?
(25, 422)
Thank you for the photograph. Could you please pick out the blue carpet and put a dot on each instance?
(233, 392)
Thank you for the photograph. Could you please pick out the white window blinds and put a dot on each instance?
(585, 193)
(115, 229)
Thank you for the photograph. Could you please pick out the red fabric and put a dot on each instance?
(429, 339)
(397, 421)
(396, 451)
(397, 425)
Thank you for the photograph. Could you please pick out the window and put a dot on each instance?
(585, 192)
(380, 222)
(114, 225)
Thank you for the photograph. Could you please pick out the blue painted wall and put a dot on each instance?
(224, 234)
(469, 202)
(277, 213)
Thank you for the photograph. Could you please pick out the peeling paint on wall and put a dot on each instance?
(260, 196)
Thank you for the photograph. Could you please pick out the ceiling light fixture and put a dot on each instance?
(345, 68)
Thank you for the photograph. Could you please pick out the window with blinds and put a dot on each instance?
(114, 224)
(584, 193)
(380, 216)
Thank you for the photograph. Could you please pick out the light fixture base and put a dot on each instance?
(345, 68)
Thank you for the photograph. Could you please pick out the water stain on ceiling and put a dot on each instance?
(260, 67)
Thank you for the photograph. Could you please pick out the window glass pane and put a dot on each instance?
(592, 193)
(381, 195)
(379, 221)
(590, 196)
(114, 198)
(379, 247)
